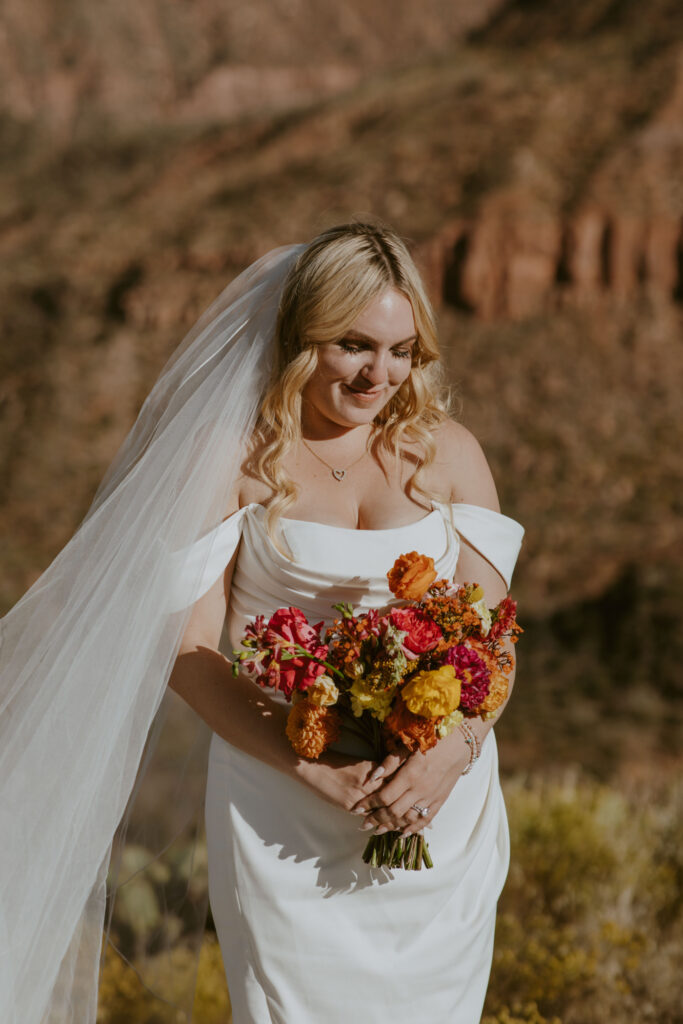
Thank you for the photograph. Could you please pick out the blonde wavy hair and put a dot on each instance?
(335, 277)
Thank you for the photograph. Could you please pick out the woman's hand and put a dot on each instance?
(422, 779)
(339, 779)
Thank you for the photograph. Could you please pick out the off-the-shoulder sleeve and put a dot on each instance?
(195, 569)
(495, 536)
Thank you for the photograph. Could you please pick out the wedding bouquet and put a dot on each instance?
(402, 678)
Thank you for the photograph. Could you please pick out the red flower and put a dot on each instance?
(290, 624)
(423, 633)
(504, 619)
(473, 673)
(287, 669)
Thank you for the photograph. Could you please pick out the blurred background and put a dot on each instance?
(531, 153)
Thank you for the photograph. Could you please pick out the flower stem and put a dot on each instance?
(320, 661)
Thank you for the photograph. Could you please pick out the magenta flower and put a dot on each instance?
(473, 673)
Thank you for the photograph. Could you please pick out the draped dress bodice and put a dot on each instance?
(315, 565)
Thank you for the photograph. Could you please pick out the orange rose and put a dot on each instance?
(412, 731)
(411, 576)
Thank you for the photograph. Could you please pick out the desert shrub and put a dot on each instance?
(124, 998)
(518, 1014)
(589, 921)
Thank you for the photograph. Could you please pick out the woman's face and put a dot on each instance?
(357, 375)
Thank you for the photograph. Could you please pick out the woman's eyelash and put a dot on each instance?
(348, 346)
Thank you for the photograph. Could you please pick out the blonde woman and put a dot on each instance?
(353, 462)
(294, 446)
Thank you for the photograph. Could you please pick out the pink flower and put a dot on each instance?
(287, 631)
(423, 633)
(473, 673)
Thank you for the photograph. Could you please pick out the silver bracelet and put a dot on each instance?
(473, 743)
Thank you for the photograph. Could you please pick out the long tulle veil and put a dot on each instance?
(85, 655)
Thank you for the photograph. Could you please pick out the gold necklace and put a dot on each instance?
(338, 474)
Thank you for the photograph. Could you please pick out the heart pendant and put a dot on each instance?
(338, 474)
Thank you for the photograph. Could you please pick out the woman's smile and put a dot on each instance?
(365, 394)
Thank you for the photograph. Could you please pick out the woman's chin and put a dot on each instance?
(356, 417)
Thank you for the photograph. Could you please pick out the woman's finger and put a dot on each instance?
(394, 790)
(388, 766)
(419, 821)
(380, 818)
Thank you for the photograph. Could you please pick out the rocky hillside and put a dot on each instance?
(65, 71)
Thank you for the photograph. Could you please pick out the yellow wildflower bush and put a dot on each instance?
(589, 922)
(124, 999)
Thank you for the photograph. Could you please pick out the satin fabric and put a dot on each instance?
(308, 932)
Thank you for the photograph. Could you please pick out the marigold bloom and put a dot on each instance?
(434, 693)
(411, 576)
(311, 729)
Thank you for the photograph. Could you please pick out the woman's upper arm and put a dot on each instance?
(472, 483)
(205, 624)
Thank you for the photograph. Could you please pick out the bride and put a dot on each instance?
(353, 462)
(292, 449)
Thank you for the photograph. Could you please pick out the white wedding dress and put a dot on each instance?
(309, 933)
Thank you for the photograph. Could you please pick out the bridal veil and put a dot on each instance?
(85, 655)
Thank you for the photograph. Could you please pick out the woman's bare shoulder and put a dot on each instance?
(461, 465)
(250, 490)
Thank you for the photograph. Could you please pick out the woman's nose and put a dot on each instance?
(375, 368)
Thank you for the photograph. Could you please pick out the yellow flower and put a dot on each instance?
(449, 723)
(377, 702)
(433, 694)
(323, 692)
(475, 597)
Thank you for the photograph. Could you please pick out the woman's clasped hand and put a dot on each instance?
(412, 780)
(387, 794)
